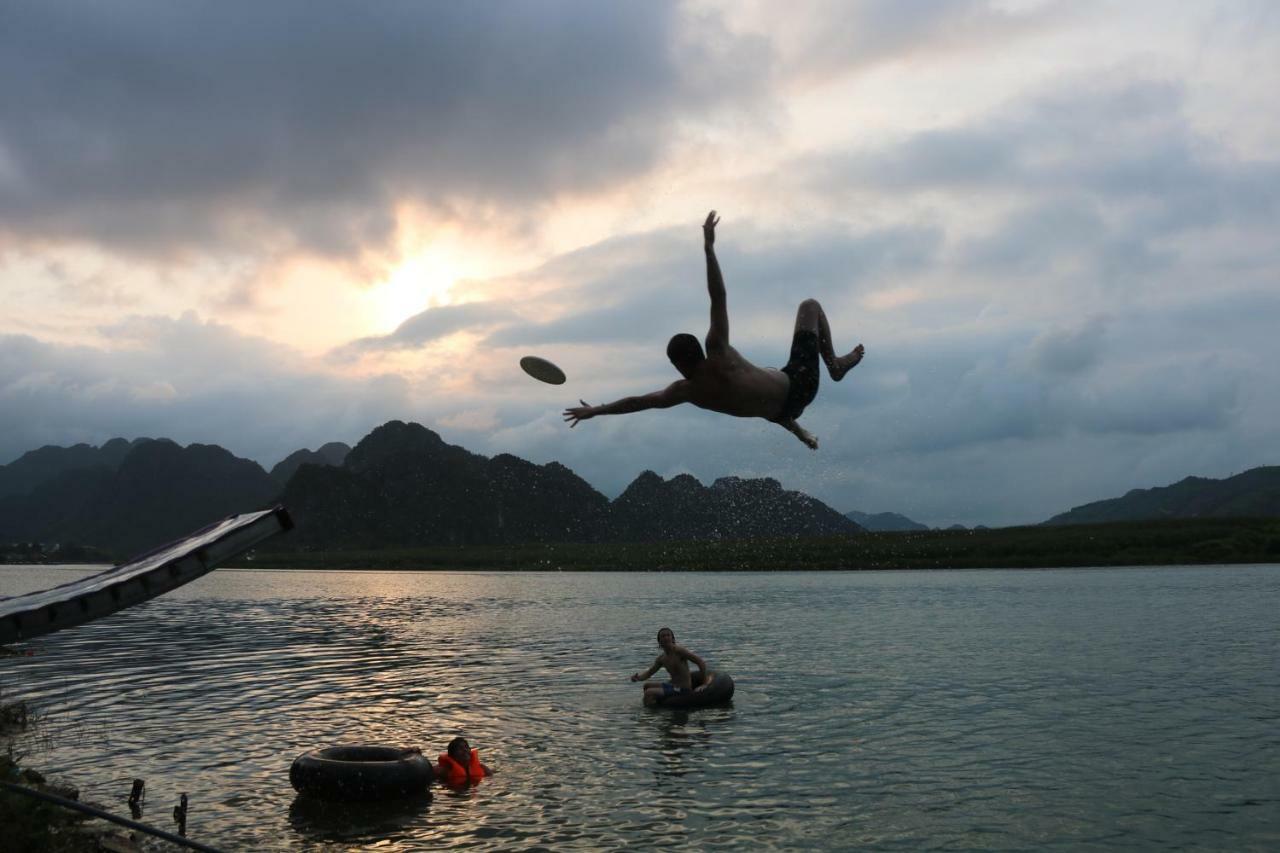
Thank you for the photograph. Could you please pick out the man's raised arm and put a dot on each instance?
(674, 394)
(718, 335)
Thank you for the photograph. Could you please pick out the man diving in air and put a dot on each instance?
(723, 381)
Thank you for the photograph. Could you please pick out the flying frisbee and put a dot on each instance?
(542, 370)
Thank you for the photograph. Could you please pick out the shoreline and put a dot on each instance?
(1114, 545)
(35, 824)
(1232, 541)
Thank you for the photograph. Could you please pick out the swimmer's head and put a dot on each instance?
(666, 638)
(685, 352)
(459, 750)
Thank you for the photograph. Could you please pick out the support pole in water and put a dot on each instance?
(108, 816)
(180, 814)
(136, 796)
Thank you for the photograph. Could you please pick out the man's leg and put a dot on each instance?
(653, 695)
(811, 317)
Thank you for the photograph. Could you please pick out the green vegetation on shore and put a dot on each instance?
(1171, 542)
(30, 824)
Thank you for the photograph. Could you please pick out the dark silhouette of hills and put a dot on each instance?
(402, 485)
(37, 467)
(652, 509)
(159, 491)
(884, 521)
(333, 453)
(1252, 494)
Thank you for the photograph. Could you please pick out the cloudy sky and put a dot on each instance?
(268, 226)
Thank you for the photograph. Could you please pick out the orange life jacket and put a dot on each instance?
(453, 773)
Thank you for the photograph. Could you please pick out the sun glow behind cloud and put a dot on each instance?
(423, 280)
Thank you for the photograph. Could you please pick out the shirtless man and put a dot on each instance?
(723, 381)
(674, 659)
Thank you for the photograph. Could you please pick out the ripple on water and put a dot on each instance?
(995, 710)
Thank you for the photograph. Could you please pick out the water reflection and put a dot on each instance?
(883, 710)
(684, 737)
(327, 822)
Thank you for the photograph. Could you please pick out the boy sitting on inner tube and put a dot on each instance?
(674, 659)
(460, 765)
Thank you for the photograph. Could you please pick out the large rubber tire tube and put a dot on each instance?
(361, 773)
(720, 692)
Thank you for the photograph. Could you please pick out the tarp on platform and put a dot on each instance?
(23, 617)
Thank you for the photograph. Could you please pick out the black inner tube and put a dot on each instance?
(362, 753)
(720, 692)
(362, 773)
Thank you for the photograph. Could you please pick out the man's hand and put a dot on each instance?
(584, 412)
(709, 229)
(635, 676)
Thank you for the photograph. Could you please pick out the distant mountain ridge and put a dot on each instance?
(652, 509)
(884, 521)
(159, 491)
(1254, 493)
(36, 467)
(333, 453)
(402, 485)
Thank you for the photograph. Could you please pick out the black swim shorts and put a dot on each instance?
(803, 372)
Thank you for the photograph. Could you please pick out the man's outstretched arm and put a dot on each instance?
(789, 424)
(674, 394)
(718, 335)
(641, 676)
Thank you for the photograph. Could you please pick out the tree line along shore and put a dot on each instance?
(1140, 543)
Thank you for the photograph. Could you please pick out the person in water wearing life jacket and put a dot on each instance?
(460, 764)
(721, 380)
(675, 660)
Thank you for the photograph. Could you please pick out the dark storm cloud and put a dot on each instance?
(1037, 236)
(1106, 177)
(160, 126)
(1116, 141)
(980, 387)
(1067, 352)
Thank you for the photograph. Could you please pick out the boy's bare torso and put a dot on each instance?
(728, 383)
(676, 663)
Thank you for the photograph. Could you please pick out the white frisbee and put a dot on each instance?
(542, 370)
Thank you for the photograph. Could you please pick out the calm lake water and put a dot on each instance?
(1120, 709)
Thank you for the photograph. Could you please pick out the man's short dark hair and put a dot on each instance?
(685, 352)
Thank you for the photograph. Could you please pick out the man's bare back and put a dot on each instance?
(721, 380)
(726, 382)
